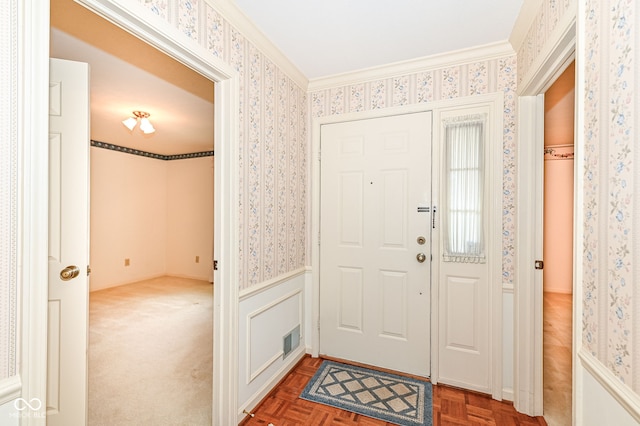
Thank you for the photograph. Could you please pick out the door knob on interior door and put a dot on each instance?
(69, 273)
(421, 257)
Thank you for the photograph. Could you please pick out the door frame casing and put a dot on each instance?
(33, 46)
(528, 331)
(495, 344)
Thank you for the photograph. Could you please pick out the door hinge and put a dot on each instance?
(88, 270)
(215, 265)
(539, 264)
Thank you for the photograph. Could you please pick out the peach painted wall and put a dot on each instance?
(131, 217)
(558, 184)
(558, 225)
(190, 217)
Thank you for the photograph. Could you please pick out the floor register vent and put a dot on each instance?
(291, 341)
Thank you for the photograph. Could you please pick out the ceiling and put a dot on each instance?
(321, 38)
(330, 37)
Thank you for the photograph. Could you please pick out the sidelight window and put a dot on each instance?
(464, 239)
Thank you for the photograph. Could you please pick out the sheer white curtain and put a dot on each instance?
(464, 188)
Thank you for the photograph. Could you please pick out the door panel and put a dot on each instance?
(464, 336)
(374, 295)
(68, 243)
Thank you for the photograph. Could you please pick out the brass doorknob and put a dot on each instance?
(421, 257)
(69, 273)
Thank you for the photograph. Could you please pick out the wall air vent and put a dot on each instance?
(291, 341)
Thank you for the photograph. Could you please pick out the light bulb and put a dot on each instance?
(145, 126)
(130, 123)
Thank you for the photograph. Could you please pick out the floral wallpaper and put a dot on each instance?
(610, 296)
(436, 84)
(610, 323)
(551, 12)
(273, 143)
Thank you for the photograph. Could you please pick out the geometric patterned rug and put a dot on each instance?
(383, 396)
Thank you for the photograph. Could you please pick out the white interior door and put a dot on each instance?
(68, 243)
(375, 193)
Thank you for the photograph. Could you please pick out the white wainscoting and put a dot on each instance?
(599, 400)
(266, 315)
(507, 342)
(9, 415)
(10, 389)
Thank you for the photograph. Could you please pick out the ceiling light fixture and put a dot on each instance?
(145, 124)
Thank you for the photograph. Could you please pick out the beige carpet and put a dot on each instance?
(150, 353)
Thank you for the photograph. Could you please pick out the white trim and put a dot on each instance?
(252, 376)
(627, 398)
(496, 101)
(264, 390)
(33, 193)
(235, 16)
(274, 282)
(494, 243)
(507, 289)
(10, 389)
(464, 56)
(578, 227)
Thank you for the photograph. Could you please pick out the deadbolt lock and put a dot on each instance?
(421, 240)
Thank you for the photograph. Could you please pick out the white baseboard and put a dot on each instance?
(256, 398)
(507, 394)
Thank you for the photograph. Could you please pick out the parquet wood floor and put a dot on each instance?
(451, 406)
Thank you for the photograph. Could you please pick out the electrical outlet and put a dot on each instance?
(127, 262)
(197, 259)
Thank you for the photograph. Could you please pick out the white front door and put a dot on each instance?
(68, 243)
(375, 196)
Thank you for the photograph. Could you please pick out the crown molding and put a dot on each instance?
(232, 14)
(411, 66)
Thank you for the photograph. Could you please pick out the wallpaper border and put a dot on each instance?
(125, 150)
